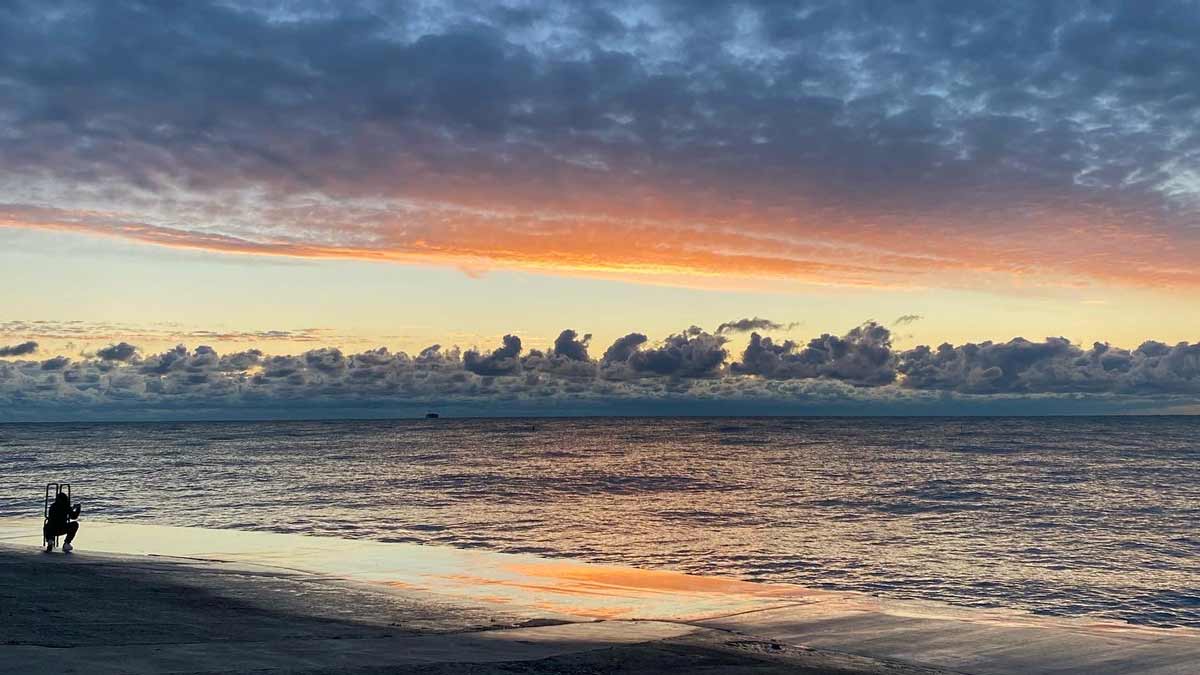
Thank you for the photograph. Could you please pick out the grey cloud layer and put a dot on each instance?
(1054, 366)
(848, 100)
(860, 366)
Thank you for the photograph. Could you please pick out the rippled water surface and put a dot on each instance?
(1068, 516)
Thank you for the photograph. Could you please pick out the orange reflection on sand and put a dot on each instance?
(599, 592)
(493, 599)
(573, 578)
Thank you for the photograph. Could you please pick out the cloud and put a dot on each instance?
(23, 349)
(747, 325)
(692, 353)
(503, 361)
(568, 358)
(827, 141)
(623, 348)
(161, 364)
(327, 360)
(862, 357)
(569, 346)
(241, 361)
(857, 372)
(56, 363)
(1054, 365)
(122, 351)
(905, 319)
(157, 332)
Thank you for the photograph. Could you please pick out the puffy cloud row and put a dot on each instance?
(861, 365)
(1053, 366)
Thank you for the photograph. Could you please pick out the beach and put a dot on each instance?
(606, 336)
(152, 599)
(1085, 518)
(106, 613)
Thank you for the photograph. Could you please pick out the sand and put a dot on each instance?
(106, 613)
(149, 599)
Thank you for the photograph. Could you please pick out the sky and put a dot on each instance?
(278, 209)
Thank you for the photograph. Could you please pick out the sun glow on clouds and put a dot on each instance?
(765, 147)
(704, 249)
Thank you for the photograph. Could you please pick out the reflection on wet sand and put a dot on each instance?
(522, 583)
(529, 587)
(602, 592)
(590, 590)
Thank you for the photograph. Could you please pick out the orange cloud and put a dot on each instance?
(706, 244)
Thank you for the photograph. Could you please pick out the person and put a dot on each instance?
(61, 520)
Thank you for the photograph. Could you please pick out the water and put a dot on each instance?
(1095, 517)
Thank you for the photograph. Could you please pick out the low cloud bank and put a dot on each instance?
(1053, 365)
(692, 370)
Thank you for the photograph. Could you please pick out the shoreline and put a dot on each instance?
(567, 609)
(550, 418)
(125, 613)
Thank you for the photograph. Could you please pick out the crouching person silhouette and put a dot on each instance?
(61, 520)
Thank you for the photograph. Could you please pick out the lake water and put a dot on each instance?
(1091, 517)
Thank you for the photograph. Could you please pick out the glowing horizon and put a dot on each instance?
(282, 177)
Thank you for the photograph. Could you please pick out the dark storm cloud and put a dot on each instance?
(503, 361)
(857, 372)
(747, 325)
(22, 349)
(122, 351)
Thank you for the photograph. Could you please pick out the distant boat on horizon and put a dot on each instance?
(431, 416)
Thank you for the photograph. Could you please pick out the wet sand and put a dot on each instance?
(152, 599)
(106, 613)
